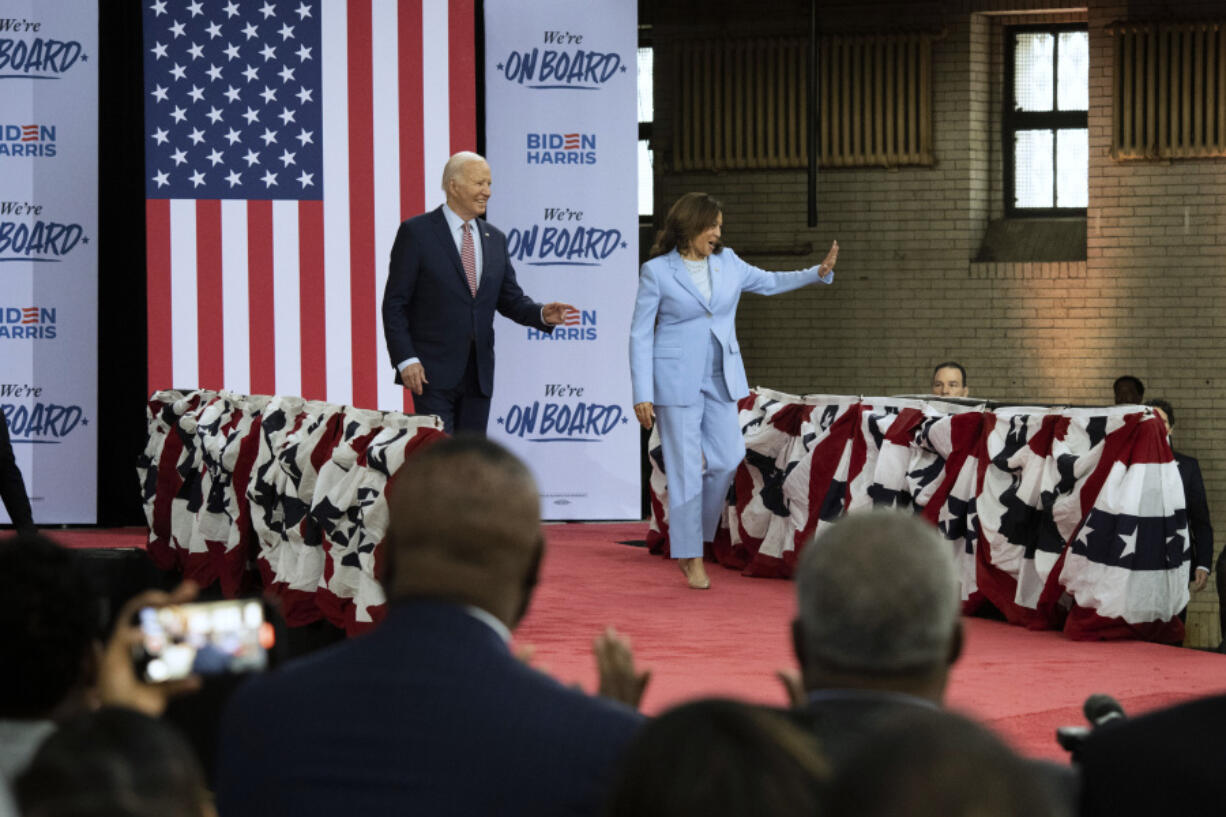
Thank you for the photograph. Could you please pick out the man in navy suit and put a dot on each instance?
(1200, 529)
(432, 713)
(449, 272)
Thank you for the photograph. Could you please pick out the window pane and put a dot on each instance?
(1073, 85)
(1033, 80)
(1032, 168)
(646, 180)
(646, 105)
(1072, 167)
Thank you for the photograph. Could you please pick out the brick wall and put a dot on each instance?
(1148, 300)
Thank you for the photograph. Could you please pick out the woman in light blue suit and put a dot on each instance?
(685, 364)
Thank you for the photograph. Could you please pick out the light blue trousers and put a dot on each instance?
(708, 429)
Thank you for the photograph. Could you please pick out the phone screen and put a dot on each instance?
(203, 638)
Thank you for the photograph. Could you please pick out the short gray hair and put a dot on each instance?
(456, 163)
(878, 594)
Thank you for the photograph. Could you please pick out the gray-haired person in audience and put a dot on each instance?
(878, 628)
(878, 624)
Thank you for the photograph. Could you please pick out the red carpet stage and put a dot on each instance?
(729, 640)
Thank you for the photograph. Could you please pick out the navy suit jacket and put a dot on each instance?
(430, 313)
(1199, 527)
(428, 714)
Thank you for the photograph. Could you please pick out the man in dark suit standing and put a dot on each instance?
(431, 713)
(1200, 530)
(449, 272)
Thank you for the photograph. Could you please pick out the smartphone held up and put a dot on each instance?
(202, 638)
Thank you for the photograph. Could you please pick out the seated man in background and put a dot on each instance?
(431, 712)
(1199, 528)
(949, 380)
(1128, 390)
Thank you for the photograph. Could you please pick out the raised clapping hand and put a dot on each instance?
(619, 680)
(831, 257)
(793, 687)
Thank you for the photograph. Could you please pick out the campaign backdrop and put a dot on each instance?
(562, 138)
(285, 142)
(48, 255)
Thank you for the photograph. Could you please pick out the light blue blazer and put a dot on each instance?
(672, 324)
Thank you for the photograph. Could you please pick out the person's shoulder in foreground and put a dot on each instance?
(431, 712)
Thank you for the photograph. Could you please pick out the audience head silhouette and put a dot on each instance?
(715, 757)
(49, 623)
(878, 601)
(465, 527)
(114, 761)
(933, 763)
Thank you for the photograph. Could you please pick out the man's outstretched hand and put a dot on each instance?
(555, 313)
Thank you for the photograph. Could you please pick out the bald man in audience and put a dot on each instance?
(431, 713)
(949, 380)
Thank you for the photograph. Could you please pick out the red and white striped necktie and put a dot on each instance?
(468, 258)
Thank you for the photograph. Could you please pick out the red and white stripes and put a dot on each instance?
(282, 297)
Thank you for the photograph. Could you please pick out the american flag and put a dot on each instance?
(285, 142)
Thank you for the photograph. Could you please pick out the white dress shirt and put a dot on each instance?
(456, 225)
(700, 274)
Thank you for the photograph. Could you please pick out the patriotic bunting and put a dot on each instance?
(292, 488)
(1071, 519)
